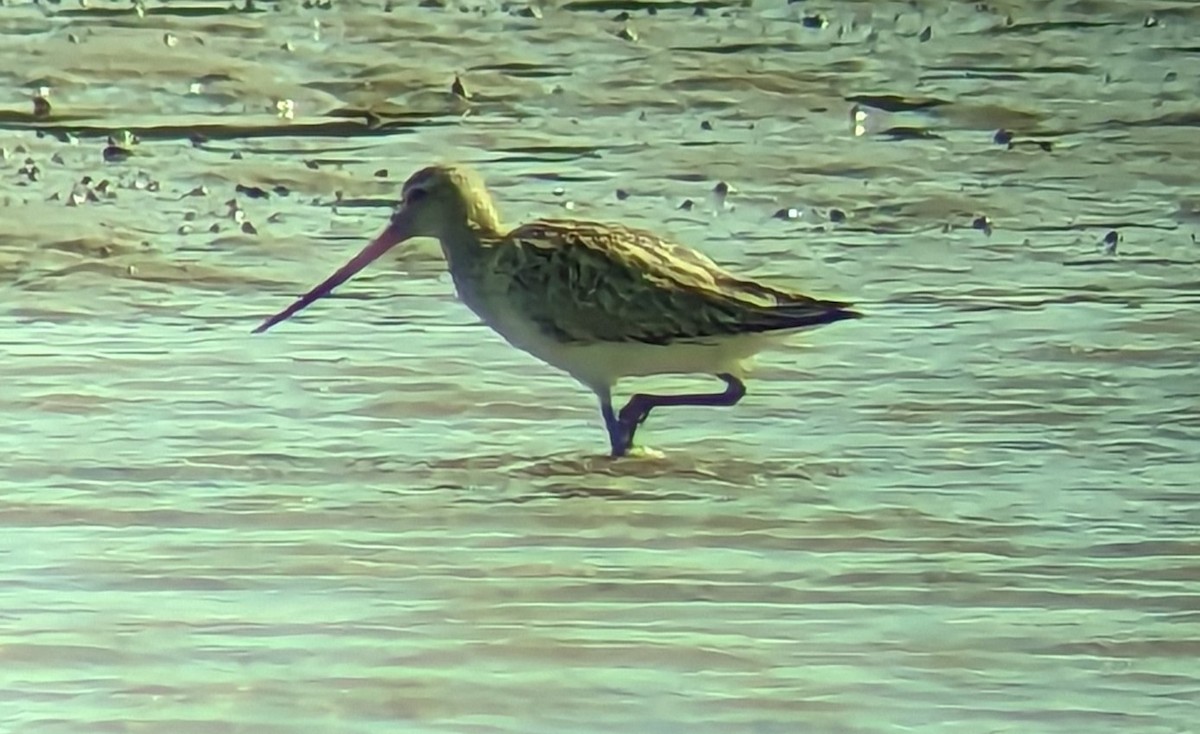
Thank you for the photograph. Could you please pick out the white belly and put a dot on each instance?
(601, 364)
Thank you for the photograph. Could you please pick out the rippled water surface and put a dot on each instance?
(974, 510)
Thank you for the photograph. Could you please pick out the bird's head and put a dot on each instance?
(444, 202)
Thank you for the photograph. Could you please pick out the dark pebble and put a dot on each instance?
(622, 194)
(116, 154)
(280, 190)
(312, 165)
(983, 224)
(1002, 137)
(814, 21)
(837, 215)
(687, 205)
(254, 192)
(381, 173)
(926, 34)
(706, 125)
(248, 228)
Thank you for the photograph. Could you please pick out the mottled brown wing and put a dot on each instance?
(587, 282)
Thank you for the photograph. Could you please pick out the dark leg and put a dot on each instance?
(615, 430)
(639, 406)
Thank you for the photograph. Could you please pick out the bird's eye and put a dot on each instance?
(414, 196)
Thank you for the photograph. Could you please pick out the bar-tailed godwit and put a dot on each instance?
(599, 301)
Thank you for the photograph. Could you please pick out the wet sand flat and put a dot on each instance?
(973, 510)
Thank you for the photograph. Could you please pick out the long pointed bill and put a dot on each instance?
(392, 236)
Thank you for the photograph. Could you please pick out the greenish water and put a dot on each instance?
(974, 510)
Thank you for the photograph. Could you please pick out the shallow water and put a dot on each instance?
(974, 510)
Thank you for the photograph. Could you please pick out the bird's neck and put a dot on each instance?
(465, 243)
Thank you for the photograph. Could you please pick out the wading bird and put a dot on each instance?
(600, 302)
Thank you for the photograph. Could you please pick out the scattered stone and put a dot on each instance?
(78, 196)
(837, 216)
(170, 40)
(254, 192)
(381, 173)
(983, 224)
(627, 33)
(120, 146)
(1109, 243)
(30, 170)
(1003, 137)
(248, 228)
(791, 213)
(530, 11)
(816, 20)
(312, 165)
(926, 34)
(116, 154)
(458, 89)
(622, 194)
(280, 190)
(706, 125)
(41, 103)
(198, 191)
(687, 205)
